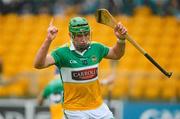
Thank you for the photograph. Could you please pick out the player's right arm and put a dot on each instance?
(43, 59)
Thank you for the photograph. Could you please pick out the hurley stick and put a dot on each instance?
(104, 17)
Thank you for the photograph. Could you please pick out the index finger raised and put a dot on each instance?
(51, 22)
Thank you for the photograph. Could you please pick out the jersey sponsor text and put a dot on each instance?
(84, 74)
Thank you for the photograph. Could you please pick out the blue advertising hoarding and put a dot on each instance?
(150, 110)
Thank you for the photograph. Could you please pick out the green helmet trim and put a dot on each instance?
(78, 25)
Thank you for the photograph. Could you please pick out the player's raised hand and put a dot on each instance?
(52, 31)
(120, 31)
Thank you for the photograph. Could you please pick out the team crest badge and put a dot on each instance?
(94, 58)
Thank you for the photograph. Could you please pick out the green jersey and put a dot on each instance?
(53, 88)
(79, 71)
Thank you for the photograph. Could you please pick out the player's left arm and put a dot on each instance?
(117, 51)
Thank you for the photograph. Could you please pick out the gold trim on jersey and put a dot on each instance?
(82, 96)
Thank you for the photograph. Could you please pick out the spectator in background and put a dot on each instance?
(71, 7)
(89, 7)
(67, 7)
(174, 8)
(113, 7)
(128, 7)
(139, 2)
(1, 6)
(158, 7)
(59, 8)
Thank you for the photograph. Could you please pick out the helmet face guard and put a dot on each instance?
(79, 26)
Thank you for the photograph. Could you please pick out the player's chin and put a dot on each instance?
(85, 46)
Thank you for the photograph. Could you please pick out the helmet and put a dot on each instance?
(78, 25)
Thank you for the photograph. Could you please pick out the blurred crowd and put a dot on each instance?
(159, 7)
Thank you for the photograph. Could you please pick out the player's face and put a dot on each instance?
(81, 41)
